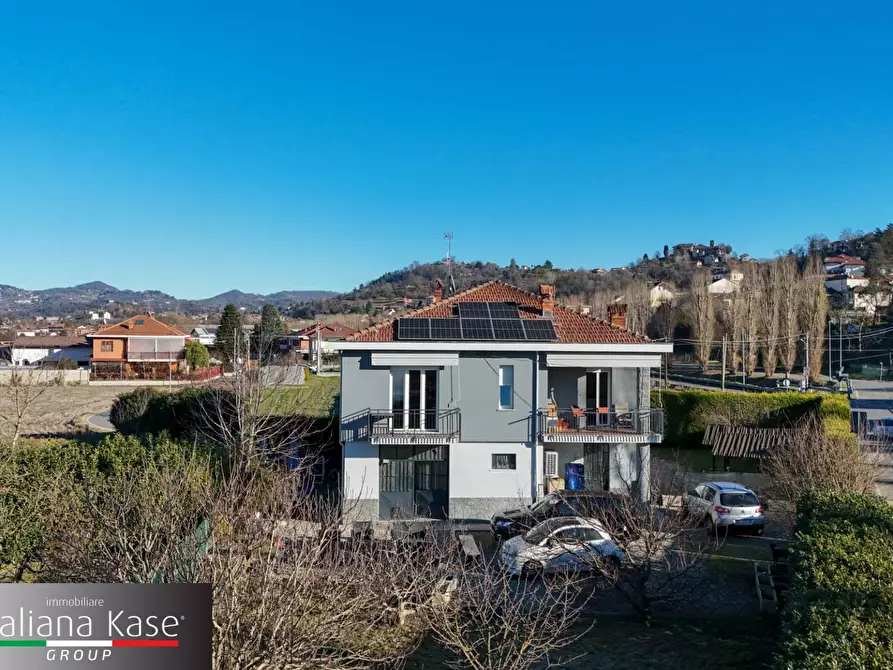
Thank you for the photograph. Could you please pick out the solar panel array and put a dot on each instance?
(480, 321)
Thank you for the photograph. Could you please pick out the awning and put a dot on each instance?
(402, 359)
(745, 442)
(603, 360)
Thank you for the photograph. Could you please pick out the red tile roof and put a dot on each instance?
(569, 326)
(150, 326)
(846, 260)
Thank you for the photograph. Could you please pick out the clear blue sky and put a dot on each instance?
(197, 147)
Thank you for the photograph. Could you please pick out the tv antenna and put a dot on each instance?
(451, 283)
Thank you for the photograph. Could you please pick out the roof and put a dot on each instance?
(47, 342)
(729, 486)
(570, 327)
(141, 324)
(743, 441)
(205, 330)
(846, 260)
(335, 328)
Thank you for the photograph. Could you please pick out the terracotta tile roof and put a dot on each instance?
(569, 326)
(131, 327)
(846, 260)
(47, 342)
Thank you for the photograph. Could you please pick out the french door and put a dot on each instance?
(414, 399)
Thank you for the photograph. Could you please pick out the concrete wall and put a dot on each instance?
(477, 491)
(360, 481)
(38, 376)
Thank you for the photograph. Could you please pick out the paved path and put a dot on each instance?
(875, 399)
(101, 421)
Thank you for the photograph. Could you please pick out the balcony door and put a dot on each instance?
(414, 399)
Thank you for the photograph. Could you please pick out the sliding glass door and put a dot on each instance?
(414, 399)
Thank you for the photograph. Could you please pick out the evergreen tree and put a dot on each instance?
(230, 340)
(268, 330)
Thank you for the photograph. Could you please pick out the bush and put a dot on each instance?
(128, 409)
(687, 413)
(839, 611)
(66, 364)
(197, 356)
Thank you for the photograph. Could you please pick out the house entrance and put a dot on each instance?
(413, 481)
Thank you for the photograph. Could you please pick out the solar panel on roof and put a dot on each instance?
(539, 329)
(504, 310)
(414, 329)
(477, 329)
(474, 310)
(508, 329)
(446, 329)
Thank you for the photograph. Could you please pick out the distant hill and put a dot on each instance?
(74, 301)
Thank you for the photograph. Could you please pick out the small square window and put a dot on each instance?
(504, 462)
(107, 346)
(506, 387)
(140, 322)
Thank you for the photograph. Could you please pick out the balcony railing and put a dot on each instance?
(600, 425)
(160, 356)
(384, 426)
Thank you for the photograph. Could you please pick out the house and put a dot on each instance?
(722, 286)
(661, 293)
(207, 335)
(142, 347)
(841, 283)
(95, 317)
(845, 265)
(32, 350)
(735, 276)
(486, 399)
(324, 332)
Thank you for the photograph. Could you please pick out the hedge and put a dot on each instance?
(687, 413)
(839, 611)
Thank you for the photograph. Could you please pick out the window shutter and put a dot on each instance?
(551, 463)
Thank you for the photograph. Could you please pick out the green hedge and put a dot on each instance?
(687, 413)
(839, 611)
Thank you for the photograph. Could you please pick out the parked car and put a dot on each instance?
(879, 430)
(725, 504)
(561, 544)
(608, 508)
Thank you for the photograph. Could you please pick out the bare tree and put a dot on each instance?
(666, 317)
(638, 307)
(701, 317)
(771, 296)
(749, 290)
(599, 302)
(789, 279)
(734, 315)
(814, 303)
(19, 394)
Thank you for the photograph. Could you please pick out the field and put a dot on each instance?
(315, 397)
(60, 410)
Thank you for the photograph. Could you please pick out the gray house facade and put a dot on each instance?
(488, 399)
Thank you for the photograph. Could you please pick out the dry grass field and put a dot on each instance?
(60, 410)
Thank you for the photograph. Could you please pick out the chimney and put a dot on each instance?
(617, 314)
(438, 291)
(547, 295)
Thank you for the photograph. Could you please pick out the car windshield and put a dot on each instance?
(540, 532)
(744, 499)
(543, 503)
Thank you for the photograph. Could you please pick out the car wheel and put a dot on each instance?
(532, 569)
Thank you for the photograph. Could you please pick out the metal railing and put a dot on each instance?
(578, 420)
(159, 356)
(414, 425)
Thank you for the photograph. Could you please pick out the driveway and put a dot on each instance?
(875, 399)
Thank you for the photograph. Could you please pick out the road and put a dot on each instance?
(101, 421)
(875, 398)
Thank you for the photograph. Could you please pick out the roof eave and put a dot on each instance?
(595, 347)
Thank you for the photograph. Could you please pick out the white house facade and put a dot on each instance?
(488, 399)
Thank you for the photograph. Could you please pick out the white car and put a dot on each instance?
(561, 544)
(727, 505)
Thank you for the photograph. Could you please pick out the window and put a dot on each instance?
(708, 494)
(414, 399)
(506, 386)
(140, 322)
(743, 499)
(504, 461)
(107, 346)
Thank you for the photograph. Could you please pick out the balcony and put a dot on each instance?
(154, 356)
(600, 425)
(384, 426)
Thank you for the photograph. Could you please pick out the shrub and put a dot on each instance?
(65, 364)
(687, 413)
(128, 409)
(197, 356)
(839, 611)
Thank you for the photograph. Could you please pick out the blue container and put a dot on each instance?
(573, 476)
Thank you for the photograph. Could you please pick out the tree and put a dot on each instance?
(267, 332)
(814, 304)
(749, 289)
(197, 356)
(771, 292)
(19, 395)
(638, 307)
(701, 317)
(230, 340)
(789, 280)
(548, 265)
(666, 251)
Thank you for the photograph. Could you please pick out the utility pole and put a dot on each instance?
(830, 349)
(723, 362)
(806, 368)
(841, 344)
(451, 283)
(743, 364)
(318, 348)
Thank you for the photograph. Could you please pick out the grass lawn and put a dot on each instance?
(315, 397)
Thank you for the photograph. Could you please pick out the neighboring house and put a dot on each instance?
(722, 286)
(661, 293)
(95, 317)
(482, 401)
(735, 276)
(45, 348)
(207, 335)
(326, 333)
(140, 347)
(845, 265)
(841, 283)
